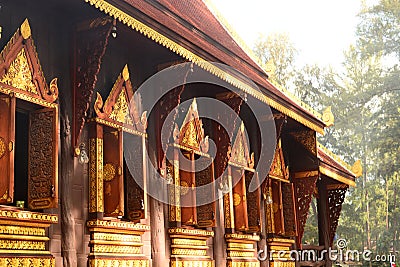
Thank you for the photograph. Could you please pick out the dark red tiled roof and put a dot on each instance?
(328, 160)
(192, 21)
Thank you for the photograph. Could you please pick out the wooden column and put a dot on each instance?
(323, 223)
(219, 240)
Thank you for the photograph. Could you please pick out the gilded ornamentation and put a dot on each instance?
(116, 249)
(194, 232)
(3, 147)
(28, 98)
(229, 222)
(130, 21)
(236, 199)
(108, 172)
(129, 226)
(188, 252)
(243, 264)
(241, 254)
(191, 263)
(307, 139)
(282, 264)
(240, 151)
(306, 174)
(19, 74)
(336, 176)
(184, 188)
(189, 136)
(125, 73)
(243, 246)
(31, 216)
(96, 175)
(188, 242)
(21, 230)
(118, 262)
(334, 156)
(243, 237)
(116, 237)
(120, 111)
(25, 29)
(22, 245)
(327, 117)
(27, 262)
(357, 168)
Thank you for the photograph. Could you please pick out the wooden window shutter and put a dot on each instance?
(134, 171)
(7, 139)
(277, 207)
(43, 159)
(289, 210)
(113, 186)
(239, 200)
(253, 203)
(204, 177)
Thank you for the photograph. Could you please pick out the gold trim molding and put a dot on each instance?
(336, 176)
(27, 262)
(194, 232)
(119, 262)
(28, 216)
(159, 38)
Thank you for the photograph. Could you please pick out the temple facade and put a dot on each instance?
(159, 141)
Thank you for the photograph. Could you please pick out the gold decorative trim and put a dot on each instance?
(327, 117)
(280, 240)
(118, 126)
(194, 232)
(28, 216)
(3, 147)
(22, 245)
(188, 242)
(243, 263)
(240, 245)
(27, 262)
(128, 20)
(243, 237)
(191, 263)
(115, 249)
(335, 157)
(282, 264)
(119, 262)
(96, 175)
(24, 237)
(116, 237)
(25, 29)
(20, 230)
(118, 224)
(306, 174)
(28, 98)
(241, 254)
(188, 252)
(357, 168)
(125, 73)
(336, 176)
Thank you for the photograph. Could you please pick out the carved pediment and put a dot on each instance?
(240, 154)
(278, 168)
(21, 72)
(191, 133)
(122, 106)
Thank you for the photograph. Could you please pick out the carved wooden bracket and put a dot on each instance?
(335, 201)
(222, 138)
(91, 39)
(304, 190)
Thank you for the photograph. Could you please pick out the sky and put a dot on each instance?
(320, 29)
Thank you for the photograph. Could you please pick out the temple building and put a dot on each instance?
(148, 135)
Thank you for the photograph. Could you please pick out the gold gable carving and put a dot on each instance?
(278, 168)
(191, 134)
(21, 72)
(240, 151)
(120, 111)
(121, 106)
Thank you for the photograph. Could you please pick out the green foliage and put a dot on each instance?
(365, 99)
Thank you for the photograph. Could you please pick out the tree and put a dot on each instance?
(277, 53)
